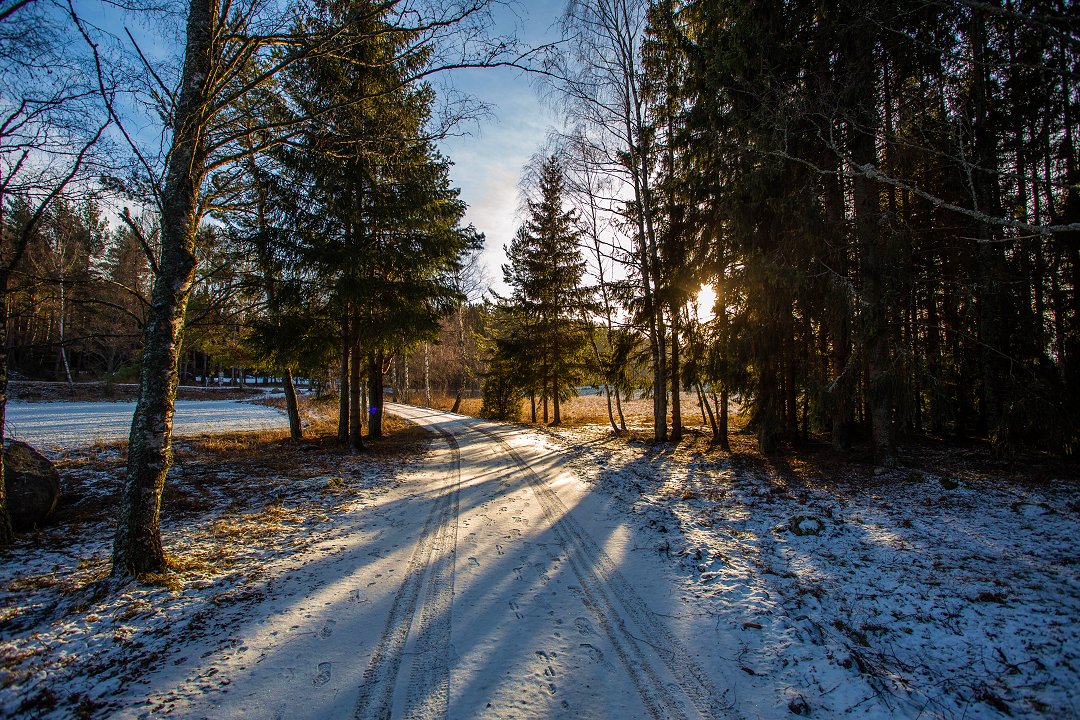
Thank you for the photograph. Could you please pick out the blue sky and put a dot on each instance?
(488, 156)
(488, 161)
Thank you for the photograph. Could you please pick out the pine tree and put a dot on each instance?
(544, 271)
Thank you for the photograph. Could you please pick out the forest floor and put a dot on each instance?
(802, 584)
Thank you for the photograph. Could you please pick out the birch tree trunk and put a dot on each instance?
(427, 375)
(137, 546)
(63, 350)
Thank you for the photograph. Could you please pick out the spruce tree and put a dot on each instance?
(544, 271)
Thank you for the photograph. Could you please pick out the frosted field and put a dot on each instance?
(66, 425)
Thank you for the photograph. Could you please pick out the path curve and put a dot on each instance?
(668, 681)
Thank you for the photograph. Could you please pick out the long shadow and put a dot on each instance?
(499, 593)
(882, 587)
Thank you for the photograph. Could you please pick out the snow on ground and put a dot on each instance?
(64, 425)
(907, 594)
(235, 520)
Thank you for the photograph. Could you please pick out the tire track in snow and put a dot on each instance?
(429, 682)
(613, 601)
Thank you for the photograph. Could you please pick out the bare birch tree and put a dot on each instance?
(216, 114)
(601, 87)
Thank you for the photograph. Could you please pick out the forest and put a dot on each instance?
(882, 196)
(884, 199)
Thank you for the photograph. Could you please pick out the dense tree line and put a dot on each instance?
(887, 195)
(884, 197)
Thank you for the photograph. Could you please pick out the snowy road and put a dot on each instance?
(66, 425)
(490, 584)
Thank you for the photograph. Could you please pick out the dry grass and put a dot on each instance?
(585, 410)
(33, 582)
(228, 488)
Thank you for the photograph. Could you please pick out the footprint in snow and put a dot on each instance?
(549, 671)
(327, 629)
(322, 676)
(583, 626)
(514, 606)
(595, 654)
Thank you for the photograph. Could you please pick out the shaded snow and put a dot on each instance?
(917, 599)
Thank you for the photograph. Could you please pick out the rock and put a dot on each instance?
(806, 525)
(32, 484)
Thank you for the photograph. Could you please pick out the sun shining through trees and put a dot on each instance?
(704, 303)
(854, 225)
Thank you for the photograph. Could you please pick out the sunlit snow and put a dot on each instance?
(65, 425)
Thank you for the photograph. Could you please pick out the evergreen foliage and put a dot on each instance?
(885, 202)
(544, 271)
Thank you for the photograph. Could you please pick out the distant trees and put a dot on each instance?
(76, 297)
